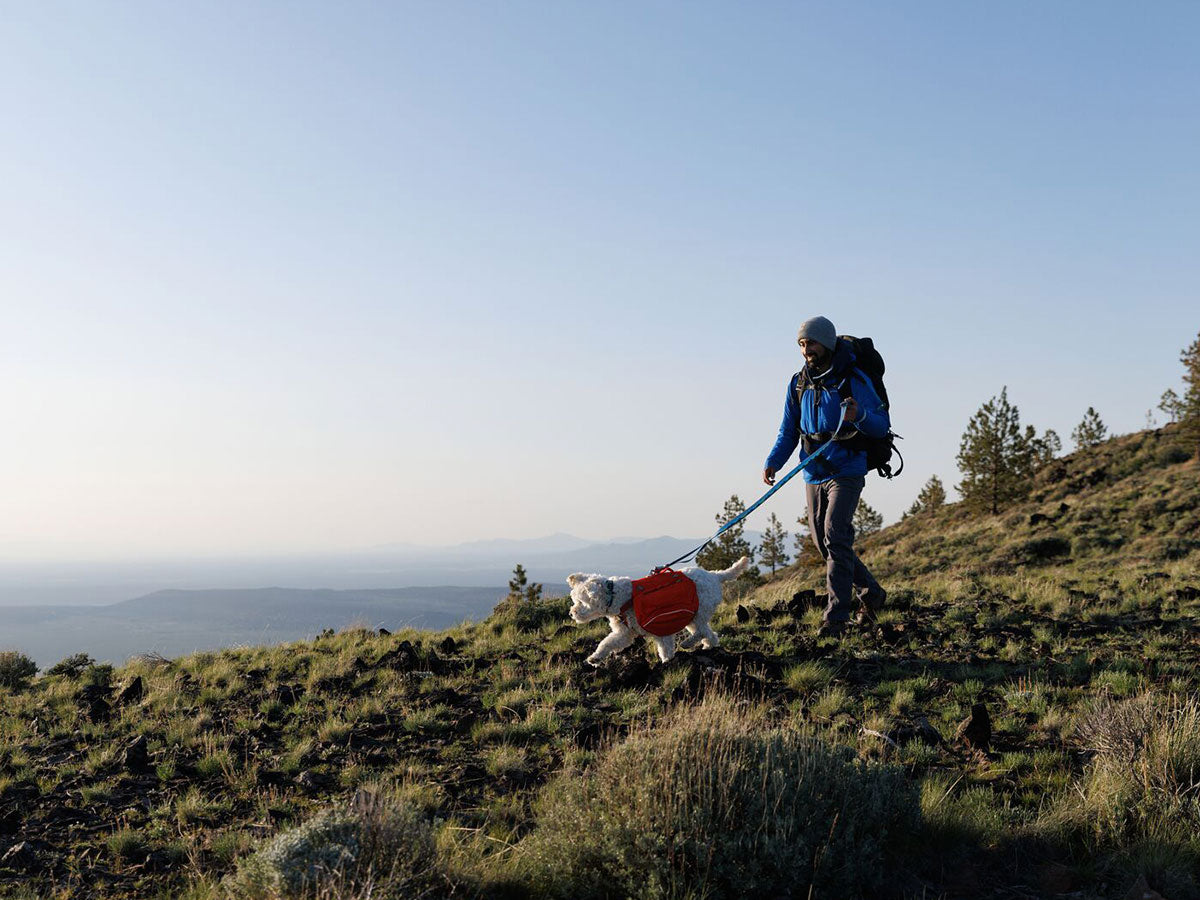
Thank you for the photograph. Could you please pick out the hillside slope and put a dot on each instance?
(1044, 624)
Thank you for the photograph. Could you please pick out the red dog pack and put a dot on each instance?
(663, 602)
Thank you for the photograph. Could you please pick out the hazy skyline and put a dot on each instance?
(302, 277)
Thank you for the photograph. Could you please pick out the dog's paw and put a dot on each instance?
(594, 660)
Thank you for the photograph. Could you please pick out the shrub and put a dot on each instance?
(530, 615)
(1172, 454)
(1143, 783)
(711, 803)
(16, 669)
(72, 666)
(376, 847)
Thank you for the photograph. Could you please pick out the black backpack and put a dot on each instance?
(879, 450)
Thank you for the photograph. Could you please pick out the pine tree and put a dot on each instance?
(1190, 402)
(866, 519)
(1090, 432)
(519, 587)
(994, 456)
(1042, 449)
(1171, 405)
(730, 546)
(806, 550)
(773, 550)
(932, 496)
(803, 536)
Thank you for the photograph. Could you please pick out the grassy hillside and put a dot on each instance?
(489, 761)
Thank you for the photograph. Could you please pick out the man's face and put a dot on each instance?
(815, 353)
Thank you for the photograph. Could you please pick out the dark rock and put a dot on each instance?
(802, 600)
(761, 615)
(1063, 509)
(743, 614)
(20, 856)
(976, 730)
(99, 710)
(132, 692)
(402, 658)
(10, 819)
(383, 632)
(92, 692)
(1038, 519)
(920, 730)
(185, 683)
(287, 694)
(448, 646)
(1187, 592)
(432, 662)
(629, 670)
(311, 781)
(136, 757)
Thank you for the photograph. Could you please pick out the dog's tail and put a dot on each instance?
(735, 570)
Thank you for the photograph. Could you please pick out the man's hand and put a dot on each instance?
(851, 410)
(768, 475)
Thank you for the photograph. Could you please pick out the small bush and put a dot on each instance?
(71, 666)
(1143, 784)
(378, 847)
(1172, 454)
(712, 803)
(16, 669)
(530, 615)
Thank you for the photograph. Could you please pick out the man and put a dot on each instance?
(834, 480)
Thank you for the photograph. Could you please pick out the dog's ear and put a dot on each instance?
(576, 578)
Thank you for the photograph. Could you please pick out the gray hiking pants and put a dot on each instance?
(831, 508)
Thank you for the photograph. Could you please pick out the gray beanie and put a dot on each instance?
(819, 329)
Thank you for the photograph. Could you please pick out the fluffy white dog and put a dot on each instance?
(592, 599)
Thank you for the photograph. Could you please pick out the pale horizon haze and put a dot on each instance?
(310, 277)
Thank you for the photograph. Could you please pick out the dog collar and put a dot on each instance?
(608, 590)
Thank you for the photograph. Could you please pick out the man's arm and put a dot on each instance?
(789, 435)
(865, 410)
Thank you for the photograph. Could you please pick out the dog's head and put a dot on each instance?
(589, 597)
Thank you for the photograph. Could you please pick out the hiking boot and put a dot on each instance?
(868, 608)
(830, 629)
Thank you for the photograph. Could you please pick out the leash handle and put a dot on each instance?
(761, 500)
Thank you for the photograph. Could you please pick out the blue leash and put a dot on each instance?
(761, 500)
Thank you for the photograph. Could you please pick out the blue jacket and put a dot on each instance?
(818, 413)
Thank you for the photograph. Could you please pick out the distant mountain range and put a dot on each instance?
(114, 610)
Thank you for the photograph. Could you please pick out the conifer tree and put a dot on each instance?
(1171, 405)
(519, 587)
(994, 456)
(803, 539)
(730, 546)
(1042, 449)
(773, 551)
(866, 519)
(932, 496)
(1189, 404)
(806, 552)
(1090, 432)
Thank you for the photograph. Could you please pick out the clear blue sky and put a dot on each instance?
(314, 276)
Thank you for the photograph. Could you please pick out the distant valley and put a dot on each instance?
(115, 610)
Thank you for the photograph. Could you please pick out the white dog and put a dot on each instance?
(592, 598)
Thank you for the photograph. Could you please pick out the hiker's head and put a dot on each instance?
(817, 338)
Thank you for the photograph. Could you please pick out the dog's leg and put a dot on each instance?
(618, 639)
(666, 647)
(690, 641)
(710, 639)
